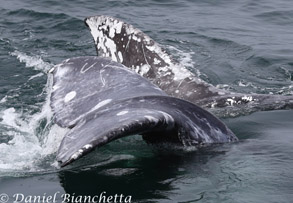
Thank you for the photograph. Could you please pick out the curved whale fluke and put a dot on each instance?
(133, 48)
(101, 100)
(85, 84)
(157, 118)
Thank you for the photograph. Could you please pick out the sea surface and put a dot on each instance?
(241, 45)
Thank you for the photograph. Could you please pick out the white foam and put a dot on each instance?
(185, 58)
(35, 62)
(19, 153)
(28, 145)
(52, 141)
(36, 76)
(13, 120)
(3, 100)
(9, 117)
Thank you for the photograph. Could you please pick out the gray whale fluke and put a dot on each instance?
(101, 100)
(133, 48)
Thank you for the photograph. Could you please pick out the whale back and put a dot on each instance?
(133, 48)
(128, 45)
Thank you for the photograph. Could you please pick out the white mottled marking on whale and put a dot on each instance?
(156, 61)
(112, 46)
(61, 71)
(69, 96)
(163, 69)
(55, 87)
(247, 98)
(120, 56)
(100, 104)
(168, 117)
(231, 101)
(127, 44)
(51, 70)
(84, 69)
(87, 146)
(122, 113)
(77, 154)
(213, 104)
(111, 32)
(136, 38)
(115, 28)
(151, 118)
(144, 69)
(102, 79)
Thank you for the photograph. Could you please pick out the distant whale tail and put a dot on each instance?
(133, 48)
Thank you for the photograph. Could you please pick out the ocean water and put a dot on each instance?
(243, 46)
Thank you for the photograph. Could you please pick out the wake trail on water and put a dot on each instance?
(36, 62)
(29, 139)
(185, 58)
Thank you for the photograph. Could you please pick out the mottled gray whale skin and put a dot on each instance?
(133, 48)
(93, 83)
(101, 100)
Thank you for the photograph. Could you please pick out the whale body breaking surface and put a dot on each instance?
(145, 56)
(134, 87)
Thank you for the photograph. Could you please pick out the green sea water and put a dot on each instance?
(242, 46)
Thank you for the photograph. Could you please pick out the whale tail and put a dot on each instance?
(101, 100)
(134, 49)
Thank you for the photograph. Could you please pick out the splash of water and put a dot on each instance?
(185, 58)
(36, 62)
(31, 138)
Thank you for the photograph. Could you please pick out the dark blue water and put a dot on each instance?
(243, 46)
